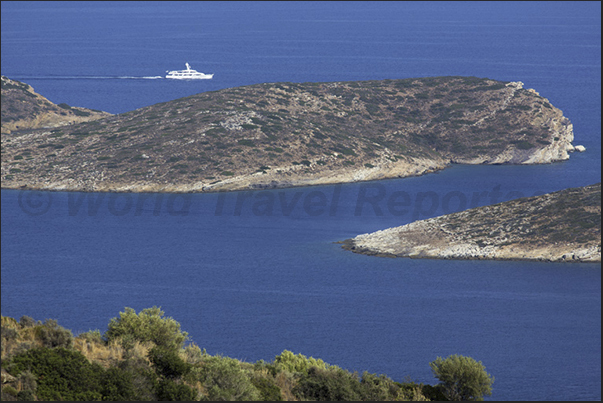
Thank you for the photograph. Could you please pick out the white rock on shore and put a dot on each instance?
(580, 148)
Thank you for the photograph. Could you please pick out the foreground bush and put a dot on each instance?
(147, 326)
(143, 357)
(61, 374)
(224, 379)
(462, 378)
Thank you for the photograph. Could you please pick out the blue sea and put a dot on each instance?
(250, 274)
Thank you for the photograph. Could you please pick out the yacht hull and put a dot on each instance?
(202, 77)
(188, 74)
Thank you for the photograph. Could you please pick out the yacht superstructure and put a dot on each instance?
(188, 74)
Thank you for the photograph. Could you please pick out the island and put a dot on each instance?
(286, 134)
(563, 226)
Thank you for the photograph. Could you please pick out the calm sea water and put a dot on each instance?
(251, 274)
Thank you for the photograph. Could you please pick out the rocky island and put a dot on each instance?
(563, 226)
(286, 134)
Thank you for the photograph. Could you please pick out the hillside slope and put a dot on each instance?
(23, 108)
(563, 226)
(290, 134)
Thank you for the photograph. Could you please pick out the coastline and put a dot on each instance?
(255, 181)
(349, 245)
(563, 226)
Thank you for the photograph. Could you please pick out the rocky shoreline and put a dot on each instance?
(563, 226)
(288, 134)
(288, 177)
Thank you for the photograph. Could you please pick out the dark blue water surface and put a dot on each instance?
(249, 274)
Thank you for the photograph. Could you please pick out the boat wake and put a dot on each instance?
(90, 77)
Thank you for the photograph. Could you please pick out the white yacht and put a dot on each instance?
(188, 74)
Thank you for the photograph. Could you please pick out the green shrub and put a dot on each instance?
(168, 390)
(193, 354)
(147, 326)
(248, 143)
(92, 336)
(377, 387)
(347, 151)
(289, 362)
(328, 384)
(26, 321)
(215, 131)
(167, 363)
(117, 385)
(269, 391)
(9, 393)
(9, 334)
(26, 396)
(524, 145)
(224, 379)
(28, 381)
(61, 374)
(52, 335)
(77, 112)
(434, 393)
(462, 378)
(134, 370)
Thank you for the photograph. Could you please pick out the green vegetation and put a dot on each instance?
(248, 143)
(146, 356)
(462, 378)
(524, 145)
(60, 374)
(147, 326)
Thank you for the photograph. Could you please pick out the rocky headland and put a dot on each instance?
(563, 226)
(23, 108)
(286, 134)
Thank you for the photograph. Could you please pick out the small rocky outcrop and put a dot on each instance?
(293, 134)
(563, 226)
(23, 108)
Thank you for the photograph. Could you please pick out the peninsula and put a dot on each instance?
(23, 108)
(563, 226)
(289, 134)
